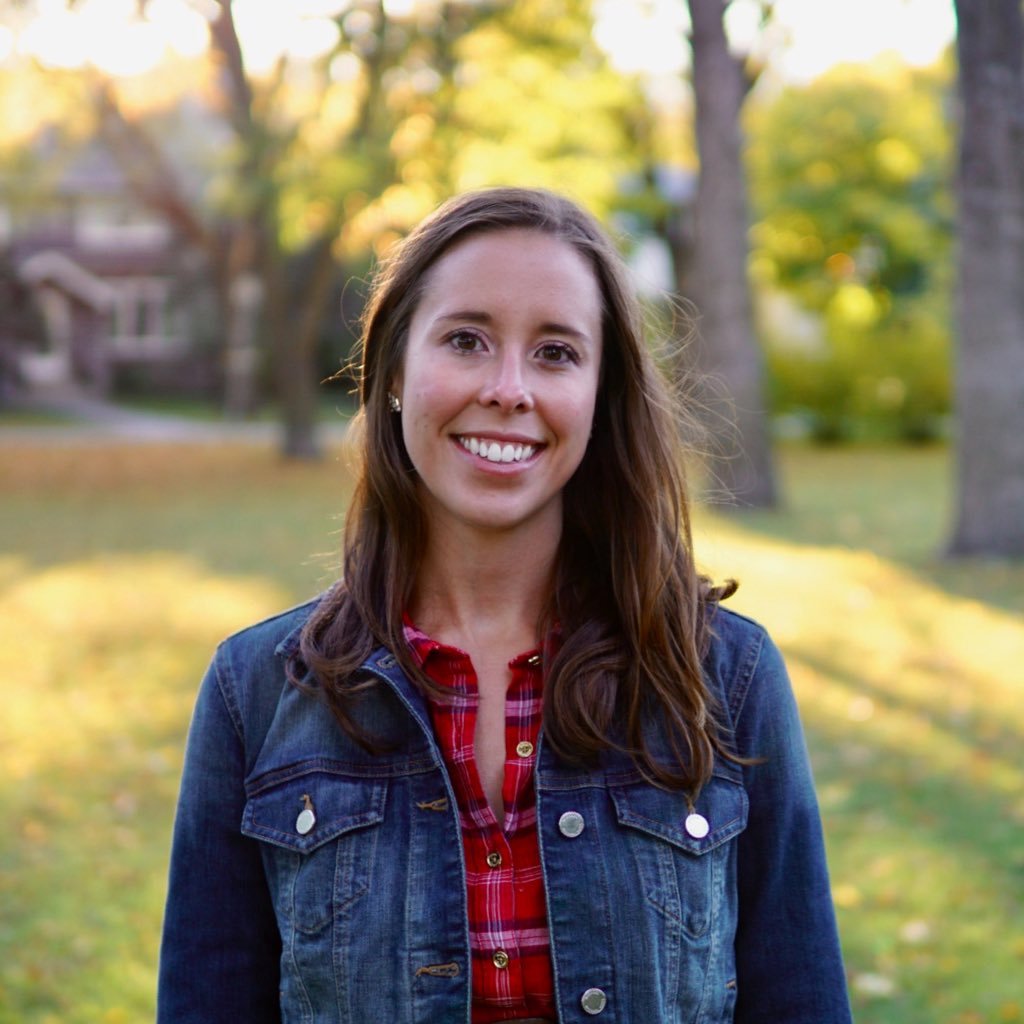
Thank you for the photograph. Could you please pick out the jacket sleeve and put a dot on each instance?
(789, 965)
(219, 957)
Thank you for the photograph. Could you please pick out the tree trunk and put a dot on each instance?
(298, 390)
(241, 349)
(295, 349)
(727, 352)
(990, 292)
(293, 366)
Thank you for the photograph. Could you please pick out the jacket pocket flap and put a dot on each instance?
(312, 808)
(721, 807)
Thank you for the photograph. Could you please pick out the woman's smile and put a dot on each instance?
(499, 450)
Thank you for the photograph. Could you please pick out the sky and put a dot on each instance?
(827, 32)
(806, 37)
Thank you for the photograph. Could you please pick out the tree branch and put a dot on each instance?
(147, 170)
(225, 38)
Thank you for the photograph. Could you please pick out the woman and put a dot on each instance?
(373, 823)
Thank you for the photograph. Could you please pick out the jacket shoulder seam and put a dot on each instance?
(744, 666)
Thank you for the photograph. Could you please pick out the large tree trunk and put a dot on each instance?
(727, 352)
(990, 287)
(295, 321)
(298, 390)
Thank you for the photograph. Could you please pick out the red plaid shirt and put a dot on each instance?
(508, 929)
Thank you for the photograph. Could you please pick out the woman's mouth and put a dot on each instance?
(496, 451)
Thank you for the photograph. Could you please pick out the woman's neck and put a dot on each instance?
(474, 588)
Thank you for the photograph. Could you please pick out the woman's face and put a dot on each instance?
(499, 380)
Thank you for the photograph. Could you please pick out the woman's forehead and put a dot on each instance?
(514, 270)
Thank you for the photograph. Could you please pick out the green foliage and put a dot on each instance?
(539, 105)
(408, 109)
(850, 186)
(880, 378)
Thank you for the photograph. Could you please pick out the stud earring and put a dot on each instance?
(394, 403)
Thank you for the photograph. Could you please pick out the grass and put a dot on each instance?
(31, 417)
(907, 670)
(121, 567)
(336, 401)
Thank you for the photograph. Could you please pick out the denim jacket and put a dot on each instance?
(359, 915)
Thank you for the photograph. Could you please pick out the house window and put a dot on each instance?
(142, 321)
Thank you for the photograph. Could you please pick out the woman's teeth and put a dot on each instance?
(494, 452)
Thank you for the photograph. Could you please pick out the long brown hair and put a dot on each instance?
(631, 606)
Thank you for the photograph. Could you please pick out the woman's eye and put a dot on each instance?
(557, 352)
(465, 341)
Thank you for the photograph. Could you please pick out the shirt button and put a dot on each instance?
(593, 1001)
(524, 748)
(571, 824)
(494, 860)
(500, 959)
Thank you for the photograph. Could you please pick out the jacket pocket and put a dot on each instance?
(319, 830)
(683, 872)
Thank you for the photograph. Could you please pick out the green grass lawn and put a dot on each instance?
(121, 567)
(336, 401)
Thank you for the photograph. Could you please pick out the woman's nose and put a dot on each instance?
(507, 387)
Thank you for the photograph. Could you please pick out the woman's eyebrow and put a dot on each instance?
(474, 316)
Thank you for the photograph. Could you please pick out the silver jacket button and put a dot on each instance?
(696, 825)
(593, 1001)
(307, 818)
(571, 824)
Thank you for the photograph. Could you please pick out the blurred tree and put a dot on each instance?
(727, 351)
(850, 185)
(990, 371)
(338, 157)
(307, 152)
(537, 103)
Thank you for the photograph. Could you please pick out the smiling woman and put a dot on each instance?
(521, 728)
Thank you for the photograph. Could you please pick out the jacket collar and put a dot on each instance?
(380, 663)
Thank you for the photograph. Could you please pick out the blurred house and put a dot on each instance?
(115, 297)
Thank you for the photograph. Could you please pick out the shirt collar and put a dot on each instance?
(423, 646)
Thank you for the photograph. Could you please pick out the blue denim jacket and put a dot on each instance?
(362, 917)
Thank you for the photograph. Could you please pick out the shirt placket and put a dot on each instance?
(490, 845)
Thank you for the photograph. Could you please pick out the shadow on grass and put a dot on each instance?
(894, 501)
(927, 876)
(237, 509)
(921, 798)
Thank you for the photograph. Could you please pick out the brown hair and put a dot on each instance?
(631, 607)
